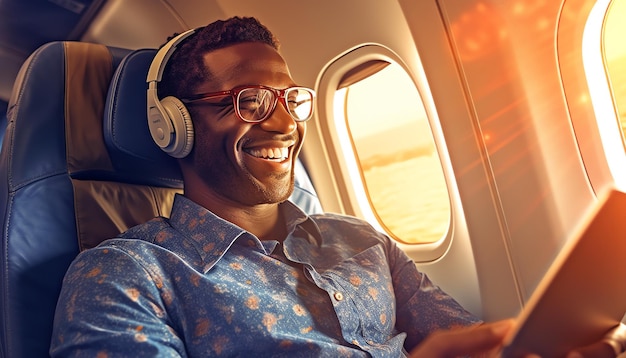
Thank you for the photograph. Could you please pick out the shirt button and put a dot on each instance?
(338, 296)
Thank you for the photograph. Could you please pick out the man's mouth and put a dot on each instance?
(275, 154)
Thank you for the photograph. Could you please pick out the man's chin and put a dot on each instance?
(277, 194)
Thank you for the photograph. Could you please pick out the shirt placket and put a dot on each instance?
(344, 307)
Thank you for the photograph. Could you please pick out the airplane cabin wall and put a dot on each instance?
(524, 185)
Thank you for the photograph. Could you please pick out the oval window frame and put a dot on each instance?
(345, 170)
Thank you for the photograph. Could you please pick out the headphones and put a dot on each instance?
(168, 119)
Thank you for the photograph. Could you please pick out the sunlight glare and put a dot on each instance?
(600, 91)
(353, 169)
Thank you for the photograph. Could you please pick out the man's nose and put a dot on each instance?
(279, 120)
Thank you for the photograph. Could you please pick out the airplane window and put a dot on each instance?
(615, 57)
(396, 153)
(604, 62)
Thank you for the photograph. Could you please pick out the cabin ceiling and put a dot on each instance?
(27, 24)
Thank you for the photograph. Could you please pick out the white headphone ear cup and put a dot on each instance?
(182, 141)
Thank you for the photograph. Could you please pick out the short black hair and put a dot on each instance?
(185, 69)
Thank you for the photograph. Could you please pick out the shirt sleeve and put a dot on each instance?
(110, 306)
(422, 307)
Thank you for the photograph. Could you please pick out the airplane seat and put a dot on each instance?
(77, 166)
(304, 194)
(59, 189)
(3, 120)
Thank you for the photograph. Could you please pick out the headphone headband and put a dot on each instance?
(163, 55)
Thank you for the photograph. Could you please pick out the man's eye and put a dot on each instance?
(249, 103)
(295, 103)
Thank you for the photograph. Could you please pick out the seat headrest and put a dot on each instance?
(134, 154)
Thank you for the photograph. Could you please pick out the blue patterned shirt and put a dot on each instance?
(196, 285)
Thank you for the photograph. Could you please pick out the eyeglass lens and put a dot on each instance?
(255, 104)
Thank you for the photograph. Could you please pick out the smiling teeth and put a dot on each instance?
(270, 153)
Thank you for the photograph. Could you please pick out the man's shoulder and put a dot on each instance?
(148, 230)
(341, 220)
(136, 237)
(346, 227)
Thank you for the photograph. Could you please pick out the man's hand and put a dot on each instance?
(484, 340)
(599, 349)
(612, 345)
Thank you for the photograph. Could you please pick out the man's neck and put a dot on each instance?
(265, 221)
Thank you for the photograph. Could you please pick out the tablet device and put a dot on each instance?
(583, 294)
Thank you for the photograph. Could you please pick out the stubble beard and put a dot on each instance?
(245, 189)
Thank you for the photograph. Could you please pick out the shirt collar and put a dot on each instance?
(295, 219)
(212, 236)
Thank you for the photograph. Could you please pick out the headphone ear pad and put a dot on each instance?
(182, 138)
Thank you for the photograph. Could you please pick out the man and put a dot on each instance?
(237, 269)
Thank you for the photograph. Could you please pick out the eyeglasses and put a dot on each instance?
(255, 103)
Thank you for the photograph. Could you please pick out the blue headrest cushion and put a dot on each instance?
(134, 154)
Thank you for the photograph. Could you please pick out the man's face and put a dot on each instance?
(235, 160)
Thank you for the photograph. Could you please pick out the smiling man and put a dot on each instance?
(242, 161)
(237, 270)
